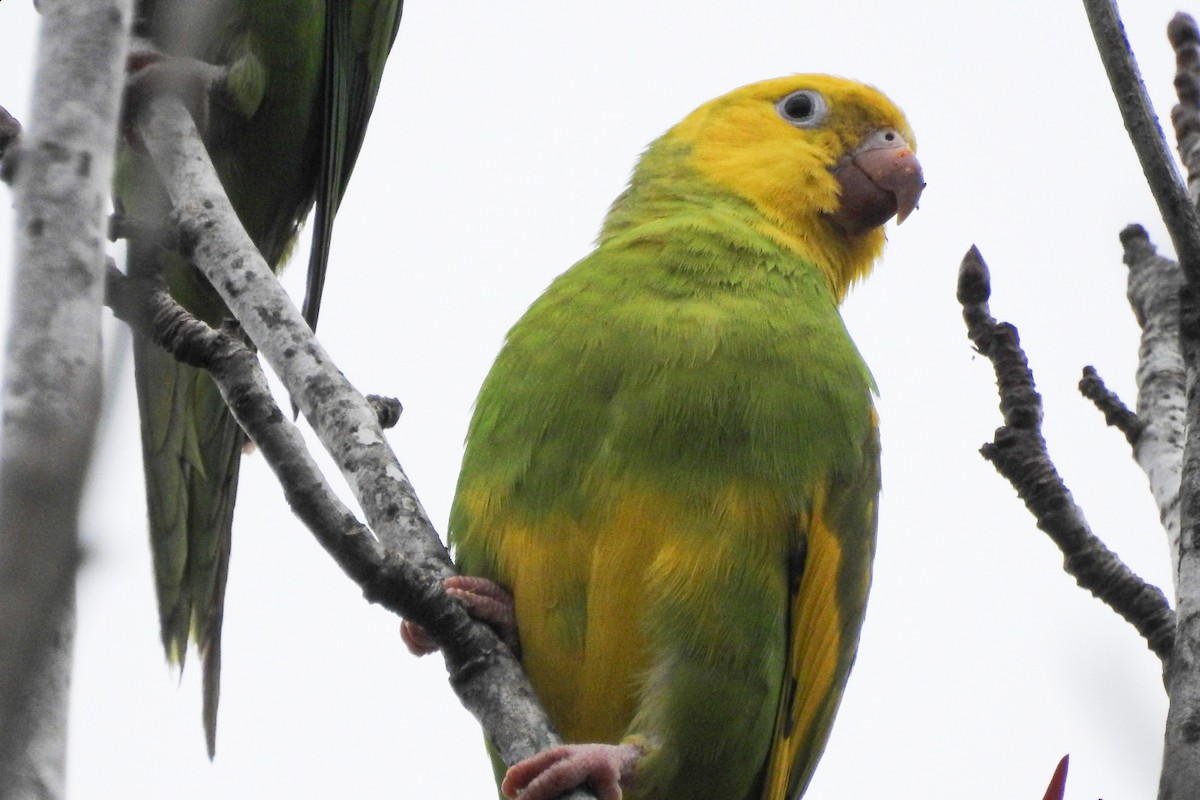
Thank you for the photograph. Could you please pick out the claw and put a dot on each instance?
(152, 73)
(607, 768)
(416, 639)
(485, 600)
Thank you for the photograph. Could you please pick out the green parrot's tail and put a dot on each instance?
(191, 447)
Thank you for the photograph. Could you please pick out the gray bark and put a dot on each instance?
(485, 674)
(63, 173)
(1154, 286)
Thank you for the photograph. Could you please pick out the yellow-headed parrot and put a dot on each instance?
(673, 465)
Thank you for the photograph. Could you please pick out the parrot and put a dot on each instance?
(671, 472)
(283, 125)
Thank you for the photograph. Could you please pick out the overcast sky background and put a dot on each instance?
(502, 132)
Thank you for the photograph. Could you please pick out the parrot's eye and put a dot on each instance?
(804, 108)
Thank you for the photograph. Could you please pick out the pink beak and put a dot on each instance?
(879, 180)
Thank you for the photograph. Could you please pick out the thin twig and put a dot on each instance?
(1019, 454)
(1115, 412)
(148, 307)
(1174, 205)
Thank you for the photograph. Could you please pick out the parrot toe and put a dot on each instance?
(489, 602)
(152, 73)
(416, 639)
(550, 773)
(486, 601)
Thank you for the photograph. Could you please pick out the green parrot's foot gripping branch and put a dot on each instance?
(487, 601)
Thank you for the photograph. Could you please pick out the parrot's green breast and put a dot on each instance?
(625, 369)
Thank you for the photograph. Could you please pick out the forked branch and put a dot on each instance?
(1019, 453)
(405, 568)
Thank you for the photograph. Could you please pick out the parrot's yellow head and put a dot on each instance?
(825, 160)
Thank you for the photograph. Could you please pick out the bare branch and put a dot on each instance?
(1115, 412)
(1019, 454)
(483, 672)
(1154, 286)
(1181, 746)
(1178, 213)
(149, 308)
(1185, 117)
(51, 392)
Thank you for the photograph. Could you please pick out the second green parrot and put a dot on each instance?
(673, 464)
(284, 128)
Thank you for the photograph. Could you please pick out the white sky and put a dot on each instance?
(502, 132)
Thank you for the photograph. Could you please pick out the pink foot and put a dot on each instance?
(416, 639)
(550, 773)
(485, 600)
(152, 72)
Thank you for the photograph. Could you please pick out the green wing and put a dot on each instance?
(191, 447)
(359, 37)
(191, 451)
(830, 580)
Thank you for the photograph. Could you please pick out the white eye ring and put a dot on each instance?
(804, 109)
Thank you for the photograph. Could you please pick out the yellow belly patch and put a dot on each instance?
(581, 586)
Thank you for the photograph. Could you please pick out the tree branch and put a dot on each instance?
(406, 571)
(148, 307)
(1154, 286)
(1019, 454)
(1178, 213)
(1181, 746)
(51, 391)
(1185, 116)
(1116, 413)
